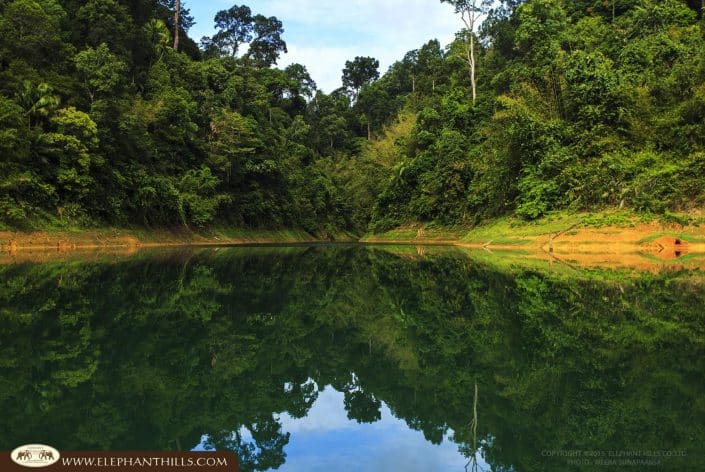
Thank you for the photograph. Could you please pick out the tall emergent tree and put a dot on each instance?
(177, 14)
(234, 29)
(267, 43)
(470, 11)
(237, 27)
(359, 72)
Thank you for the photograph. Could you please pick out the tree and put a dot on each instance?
(334, 127)
(234, 29)
(237, 26)
(197, 189)
(361, 406)
(178, 20)
(38, 101)
(102, 71)
(410, 66)
(11, 121)
(105, 22)
(302, 83)
(267, 44)
(374, 103)
(17, 179)
(359, 72)
(71, 146)
(470, 12)
(31, 31)
(232, 139)
(177, 23)
(157, 35)
(430, 62)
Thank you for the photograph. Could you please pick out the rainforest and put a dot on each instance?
(350, 357)
(111, 115)
(486, 254)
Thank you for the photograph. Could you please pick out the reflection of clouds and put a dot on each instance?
(327, 440)
(327, 414)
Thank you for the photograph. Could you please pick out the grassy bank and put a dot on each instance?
(556, 230)
(79, 238)
(574, 241)
(562, 241)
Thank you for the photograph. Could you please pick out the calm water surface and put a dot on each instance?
(353, 358)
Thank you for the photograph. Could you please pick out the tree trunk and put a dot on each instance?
(472, 15)
(177, 26)
(472, 68)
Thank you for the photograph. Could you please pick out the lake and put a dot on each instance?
(356, 358)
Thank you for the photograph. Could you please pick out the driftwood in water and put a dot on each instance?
(552, 238)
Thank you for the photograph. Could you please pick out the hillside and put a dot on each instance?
(567, 105)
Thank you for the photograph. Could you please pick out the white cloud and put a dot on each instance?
(385, 445)
(325, 64)
(323, 34)
(374, 16)
(327, 440)
(326, 415)
(385, 29)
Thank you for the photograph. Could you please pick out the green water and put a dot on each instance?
(359, 358)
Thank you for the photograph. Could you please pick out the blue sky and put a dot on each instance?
(327, 440)
(323, 34)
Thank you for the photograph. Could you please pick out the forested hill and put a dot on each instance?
(105, 119)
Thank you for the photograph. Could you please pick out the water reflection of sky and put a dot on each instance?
(327, 440)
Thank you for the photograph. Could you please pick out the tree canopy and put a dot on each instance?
(576, 105)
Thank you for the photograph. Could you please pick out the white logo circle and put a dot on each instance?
(35, 455)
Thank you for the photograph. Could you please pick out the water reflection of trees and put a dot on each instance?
(153, 352)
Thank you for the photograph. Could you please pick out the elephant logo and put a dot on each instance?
(35, 455)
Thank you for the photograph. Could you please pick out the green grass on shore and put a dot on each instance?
(171, 236)
(507, 231)
(517, 232)
(75, 228)
(685, 236)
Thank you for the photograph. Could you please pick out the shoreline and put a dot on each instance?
(646, 237)
(112, 238)
(576, 241)
(579, 232)
(562, 239)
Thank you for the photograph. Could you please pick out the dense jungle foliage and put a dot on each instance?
(580, 104)
(158, 350)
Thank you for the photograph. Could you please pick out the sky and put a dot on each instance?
(323, 34)
(326, 439)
